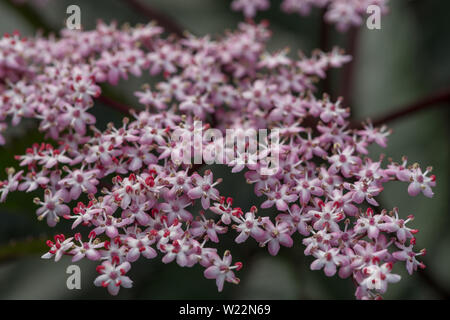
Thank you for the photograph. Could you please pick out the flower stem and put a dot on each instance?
(441, 98)
(425, 103)
(324, 31)
(349, 69)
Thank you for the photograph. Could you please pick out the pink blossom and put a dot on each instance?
(113, 277)
(58, 248)
(142, 202)
(328, 260)
(378, 277)
(221, 270)
(276, 235)
(204, 189)
(52, 207)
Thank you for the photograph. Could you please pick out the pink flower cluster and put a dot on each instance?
(343, 13)
(141, 203)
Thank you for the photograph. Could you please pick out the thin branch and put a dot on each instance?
(324, 35)
(122, 108)
(441, 98)
(349, 69)
(426, 103)
(164, 21)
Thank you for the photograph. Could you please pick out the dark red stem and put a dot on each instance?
(349, 69)
(435, 100)
(324, 31)
(426, 103)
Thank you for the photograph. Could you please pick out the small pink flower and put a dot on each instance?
(421, 183)
(52, 207)
(280, 197)
(203, 226)
(221, 270)
(327, 216)
(86, 249)
(11, 184)
(139, 244)
(249, 225)
(378, 277)
(407, 254)
(113, 277)
(204, 188)
(58, 248)
(276, 235)
(328, 260)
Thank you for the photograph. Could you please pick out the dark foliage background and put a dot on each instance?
(409, 58)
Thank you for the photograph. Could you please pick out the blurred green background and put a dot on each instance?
(409, 58)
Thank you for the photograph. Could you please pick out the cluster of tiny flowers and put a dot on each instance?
(343, 13)
(135, 202)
